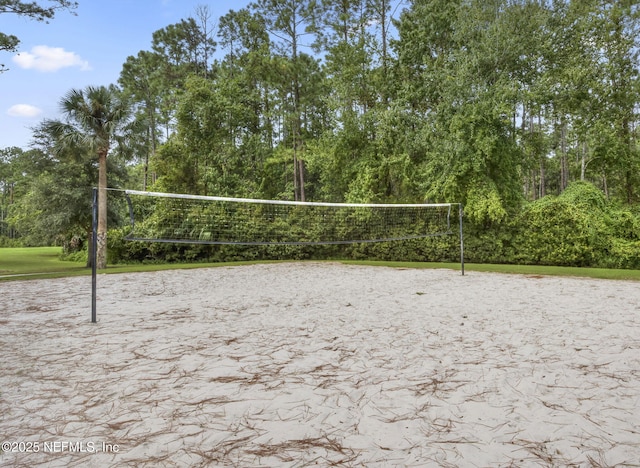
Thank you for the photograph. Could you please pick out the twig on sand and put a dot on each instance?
(283, 450)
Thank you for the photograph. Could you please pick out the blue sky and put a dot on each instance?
(78, 51)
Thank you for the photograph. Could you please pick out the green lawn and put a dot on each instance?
(598, 273)
(44, 262)
(36, 261)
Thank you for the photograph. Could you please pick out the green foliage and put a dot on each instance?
(484, 203)
(555, 232)
(9, 242)
(585, 196)
(580, 229)
(490, 103)
(78, 257)
(577, 228)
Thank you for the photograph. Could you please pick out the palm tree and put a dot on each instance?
(94, 117)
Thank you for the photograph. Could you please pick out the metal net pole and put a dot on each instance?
(461, 242)
(94, 242)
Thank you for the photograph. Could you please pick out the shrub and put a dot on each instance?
(578, 228)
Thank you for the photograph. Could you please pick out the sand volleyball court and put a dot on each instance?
(320, 364)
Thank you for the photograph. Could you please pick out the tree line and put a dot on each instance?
(501, 105)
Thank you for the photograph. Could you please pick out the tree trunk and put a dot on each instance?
(101, 261)
(303, 196)
(564, 165)
(543, 179)
(152, 138)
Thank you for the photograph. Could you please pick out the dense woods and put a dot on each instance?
(525, 111)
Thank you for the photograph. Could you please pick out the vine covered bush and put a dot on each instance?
(577, 228)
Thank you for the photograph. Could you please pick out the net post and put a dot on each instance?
(93, 253)
(461, 211)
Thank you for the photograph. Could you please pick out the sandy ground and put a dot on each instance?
(317, 364)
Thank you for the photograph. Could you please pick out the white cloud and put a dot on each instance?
(49, 59)
(24, 110)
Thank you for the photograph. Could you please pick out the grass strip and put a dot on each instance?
(44, 262)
